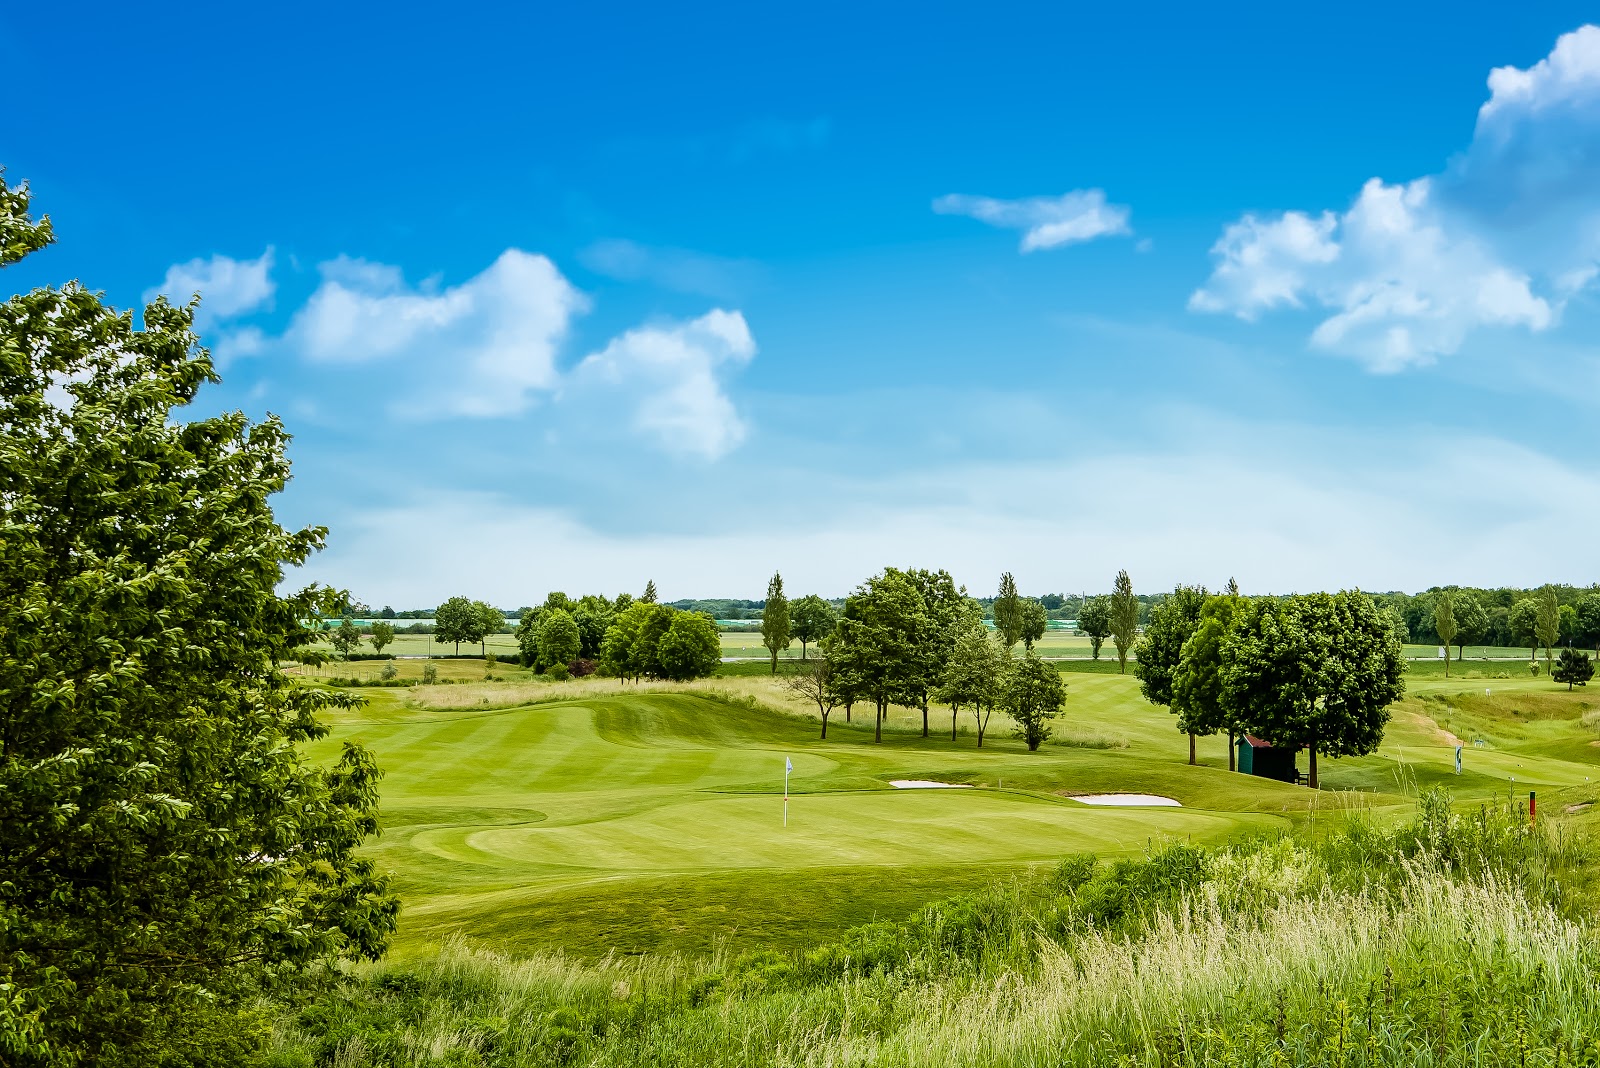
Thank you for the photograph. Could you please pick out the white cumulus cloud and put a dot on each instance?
(477, 349)
(674, 374)
(1045, 222)
(1501, 238)
(227, 287)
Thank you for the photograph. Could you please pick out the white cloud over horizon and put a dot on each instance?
(1329, 512)
(1046, 222)
(1501, 238)
(227, 287)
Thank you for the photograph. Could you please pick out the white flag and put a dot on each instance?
(788, 765)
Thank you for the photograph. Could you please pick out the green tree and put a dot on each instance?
(1568, 623)
(1035, 621)
(1317, 671)
(560, 640)
(1007, 612)
(623, 602)
(815, 682)
(1472, 622)
(644, 659)
(1573, 666)
(1161, 647)
(1588, 628)
(776, 634)
(1124, 618)
(950, 612)
(1523, 622)
(490, 621)
(1444, 624)
(457, 620)
(813, 620)
(649, 594)
(382, 634)
(1095, 621)
(1197, 682)
(1032, 696)
(1547, 622)
(593, 615)
(169, 853)
(875, 648)
(973, 676)
(346, 637)
(690, 648)
(616, 651)
(527, 637)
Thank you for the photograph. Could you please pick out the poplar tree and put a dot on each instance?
(1547, 622)
(1444, 624)
(1124, 618)
(775, 630)
(168, 853)
(1007, 612)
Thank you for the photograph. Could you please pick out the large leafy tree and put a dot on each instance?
(973, 676)
(1588, 629)
(593, 615)
(815, 682)
(1161, 648)
(382, 634)
(490, 621)
(1095, 621)
(876, 648)
(1317, 671)
(1032, 696)
(776, 631)
(950, 612)
(560, 640)
(1035, 621)
(1124, 618)
(1472, 622)
(690, 648)
(346, 637)
(1523, 623)
(813, 620)
(1007, 612)
(457, 620)
(1197, 682)
(167, 854)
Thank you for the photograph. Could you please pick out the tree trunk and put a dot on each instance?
(1232, 753)
(977, 714)
(824, 725)
(774, 662)
(877, 725)
(1447, 661)
(1313, 780)
(953, 710)
(1192, 760)
(802, 648)
(924, 717)
(848, 707)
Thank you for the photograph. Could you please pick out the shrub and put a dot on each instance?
(389, 671)
(430, 674)
(581, 667)
(558, 672)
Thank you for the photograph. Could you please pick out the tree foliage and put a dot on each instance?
(776, 632)
(1444, 624)
(1124, 619)
(950, 612)
(346, 637)
(815, 682)
(812, 620)
(1035, 621)
(877, 647)
(1573, 666)
(1317, 671)
(1547, 621)
(1197, 681)
(1032, 695)
(560, 640)
(382, 634)
(457, 620)
(1007, 612)
(1095, 621)
(973, 676)
(167, 853)
(1160, 648)
(1523, 622)
(690, 648)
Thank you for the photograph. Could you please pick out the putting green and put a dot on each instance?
(655, 820)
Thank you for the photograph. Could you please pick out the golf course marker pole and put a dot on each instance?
(788, 766)
(1533, 801)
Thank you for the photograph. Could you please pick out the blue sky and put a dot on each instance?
(572, 296)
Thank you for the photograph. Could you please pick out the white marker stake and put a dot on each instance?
(788, 766)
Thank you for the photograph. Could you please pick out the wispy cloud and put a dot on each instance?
(1045, 222)
(679, 270)
(227, 287)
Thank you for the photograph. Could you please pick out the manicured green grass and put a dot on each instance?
(615, 817)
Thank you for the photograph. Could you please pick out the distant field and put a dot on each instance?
(608, 816)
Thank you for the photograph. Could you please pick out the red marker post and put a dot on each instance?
(1532, 802)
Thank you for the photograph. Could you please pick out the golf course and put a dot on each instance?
(594, 817)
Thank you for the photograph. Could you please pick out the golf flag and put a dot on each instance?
(1458, 760)
(788, 765)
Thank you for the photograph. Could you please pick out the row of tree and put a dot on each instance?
(1314, 671)
(1458, 617)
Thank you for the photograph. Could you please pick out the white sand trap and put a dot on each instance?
(1128, 799)
(928, 784)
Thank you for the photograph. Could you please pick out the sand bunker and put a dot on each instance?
(1128, 799)
(928, 784)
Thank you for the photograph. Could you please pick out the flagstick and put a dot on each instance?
(786, 794)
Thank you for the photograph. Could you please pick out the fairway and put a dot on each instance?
(634, 819)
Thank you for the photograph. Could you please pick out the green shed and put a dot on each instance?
(1260, 757)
